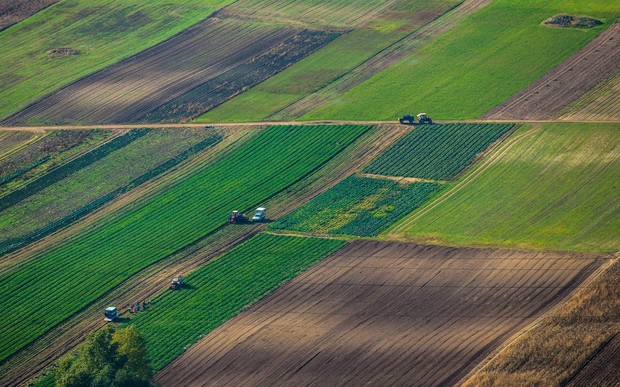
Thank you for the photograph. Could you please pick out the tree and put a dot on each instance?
(109, 357)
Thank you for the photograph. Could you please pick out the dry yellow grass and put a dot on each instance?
(562, 342)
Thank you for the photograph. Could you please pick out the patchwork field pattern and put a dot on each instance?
(91, 186)
(549, 187)
(438, 152)
(600, 104)
(566, 83)
(75, 38)
(13, 141)
(96, 262)
(390, 314)
(357, 206)
(187, 74)
(219, 290)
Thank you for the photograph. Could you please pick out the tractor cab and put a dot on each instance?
(110, 313)
(259, 215)
(177, 283)
(236, 217)
(423, 118)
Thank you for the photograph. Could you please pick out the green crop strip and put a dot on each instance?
(40, 295)
(358, 206)
(70, 167)
(15, 243)
(221, 289)
(438, 152)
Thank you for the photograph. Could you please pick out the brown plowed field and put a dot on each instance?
(383, 314)
(601, 104)
(14, 11)
(570, 80)
(129, 90)
(602, 370)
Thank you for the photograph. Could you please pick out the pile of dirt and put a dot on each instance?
(62, 52)
(567, 21)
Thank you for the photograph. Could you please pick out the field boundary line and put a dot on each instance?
(609, 261)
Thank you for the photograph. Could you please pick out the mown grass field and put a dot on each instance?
(40, 296)
(329, 63)
(222, 288)
(102, 32)
(499, 50)
(552, 186)
(359, 206)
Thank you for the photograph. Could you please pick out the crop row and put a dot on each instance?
(438, 152)
(39, 295)
(29, 230)
(45, 154)
(357, 206)
(221, 289)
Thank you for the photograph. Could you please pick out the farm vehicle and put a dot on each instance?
(110, 313)
(177, 283)
(422, 119)
(238, 217)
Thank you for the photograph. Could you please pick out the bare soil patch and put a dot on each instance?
(570, 80)
(62, 52)
(14, 11)
(383, 314)
(603, 369)
(568, 21)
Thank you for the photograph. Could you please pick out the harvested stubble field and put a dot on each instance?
(566, 83)
(180, 78)
(387, 313)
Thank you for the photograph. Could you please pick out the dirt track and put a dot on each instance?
(546, 97)
(383, 314)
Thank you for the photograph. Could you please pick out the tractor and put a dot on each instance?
(177, 283)
(110, 314)
(408, 119)
(237, 217)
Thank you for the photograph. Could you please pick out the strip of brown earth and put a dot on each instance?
(171, 71)
(401, 179)
(44, 351)
(14, 11)
(383, 314)
(577, 342)
(570, 80)
(601, 103)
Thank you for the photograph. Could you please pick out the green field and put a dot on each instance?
(438, 152)
(553, 187)
(357, 206)
(499, 51)
(327, 64)
(103, 32)
(88, 188)
(221, 289)
(40, 295)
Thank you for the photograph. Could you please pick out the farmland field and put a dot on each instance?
(101, 259)
(387, 313)
(500, 50)
(180, 78)
(11, 142)
(602, 103)
(222, 288)
(100, 34)
(48, 153)
(548, 187)
(357, 206)
(83, 191)
(438, 152)
(566, 83)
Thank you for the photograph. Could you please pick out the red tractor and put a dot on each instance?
(237, 217)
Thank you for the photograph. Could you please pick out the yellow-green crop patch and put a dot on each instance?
(553, 187)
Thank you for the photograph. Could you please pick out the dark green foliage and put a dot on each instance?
(15, 243)
(40, 295)
(72, 166)
(358, 206)
(438, 152)
(110, 357)
(221, 289)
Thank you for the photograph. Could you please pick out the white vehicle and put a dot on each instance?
(110, 313)
(259, 215)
